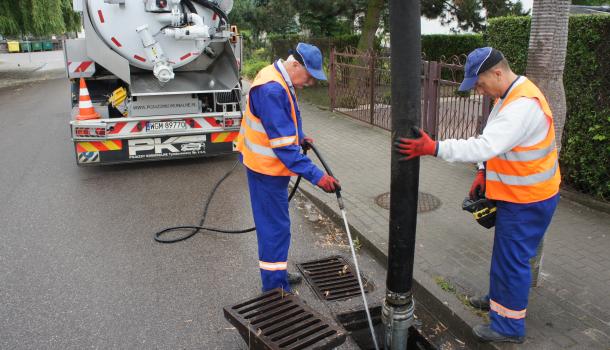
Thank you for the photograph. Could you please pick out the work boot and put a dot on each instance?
(294, 278)
(479, 302)
(486, 334)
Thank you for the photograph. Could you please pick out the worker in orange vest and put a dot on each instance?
(270, 141)
(519, 170)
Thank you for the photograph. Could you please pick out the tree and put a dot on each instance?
(328, 17)
(469, 14)
(71, 18)
(37, 17)
(318, 17)
(242, 13)
(276, 16)
(263, 16)
(371, 24)
(546, 56)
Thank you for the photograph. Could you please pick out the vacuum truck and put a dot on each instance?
(154, 80)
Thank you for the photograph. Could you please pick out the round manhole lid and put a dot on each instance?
(426, 202)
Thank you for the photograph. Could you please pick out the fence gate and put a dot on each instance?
(360, 87)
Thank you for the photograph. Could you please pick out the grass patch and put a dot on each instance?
(445, 285)
(357, 244)
(448, 287)
(317, 95)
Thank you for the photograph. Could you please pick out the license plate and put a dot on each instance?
(166, 125)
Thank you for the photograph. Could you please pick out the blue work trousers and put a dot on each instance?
(269, 199)
(519, 230)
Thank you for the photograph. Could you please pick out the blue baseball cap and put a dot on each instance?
(479, 61)
(311, 57)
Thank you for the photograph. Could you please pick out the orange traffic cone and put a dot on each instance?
(85, 107)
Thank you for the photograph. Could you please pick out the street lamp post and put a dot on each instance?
(397, 313)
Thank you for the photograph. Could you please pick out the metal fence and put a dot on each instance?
(360, 87)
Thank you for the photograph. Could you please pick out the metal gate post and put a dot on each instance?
(434, 95)
(372, 81)
(332, 89)
(485, 110)
(426, 95)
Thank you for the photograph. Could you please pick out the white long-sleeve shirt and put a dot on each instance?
(521, 123)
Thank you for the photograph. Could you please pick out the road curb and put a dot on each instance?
(440, 303)
(8, 81)
(585, 200)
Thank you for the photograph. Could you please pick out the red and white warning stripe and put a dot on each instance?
(78, 69)
(139, 127)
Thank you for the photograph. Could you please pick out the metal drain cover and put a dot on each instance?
(426, 201)
(332, 278)
(277, 320)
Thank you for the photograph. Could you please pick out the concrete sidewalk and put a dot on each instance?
(571, 308)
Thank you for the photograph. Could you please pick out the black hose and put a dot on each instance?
(189, 5)
(200, 226)
(214, 8)
(327, 169)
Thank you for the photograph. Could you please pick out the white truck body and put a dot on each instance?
(175, 67)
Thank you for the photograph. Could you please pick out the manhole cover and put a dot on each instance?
(426, 202)
(277, 320)
(332, 278)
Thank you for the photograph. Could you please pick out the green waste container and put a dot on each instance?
(26, 46)
(13, 46)
(47, 45)
(36, 46)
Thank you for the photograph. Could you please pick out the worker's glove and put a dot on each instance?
(423, 146)
(306, 143)
(329, 184)
(477, 190)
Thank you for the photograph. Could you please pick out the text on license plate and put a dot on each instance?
(166, 125)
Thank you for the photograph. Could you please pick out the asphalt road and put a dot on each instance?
(78, 265)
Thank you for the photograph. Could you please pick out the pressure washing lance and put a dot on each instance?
(201, 226)
(351, 246)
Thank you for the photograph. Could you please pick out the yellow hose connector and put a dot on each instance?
(118, 100)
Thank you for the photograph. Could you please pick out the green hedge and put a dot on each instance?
(585, 154)
(280, 44)
(438, 45)
(511, 36)
(256, 61)
(586, 147)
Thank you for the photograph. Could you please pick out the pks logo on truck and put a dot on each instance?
(162, 147)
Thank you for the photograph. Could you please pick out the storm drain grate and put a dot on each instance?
(278, 320)
(332, 278)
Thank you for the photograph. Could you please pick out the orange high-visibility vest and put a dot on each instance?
(525, 174)
(254, 143)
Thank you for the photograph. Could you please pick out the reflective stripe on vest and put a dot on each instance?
(255, 125)
(254, 143)
(282, 141)
(525, 174)
(253, 147)
(529, 155)
(522, 180)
